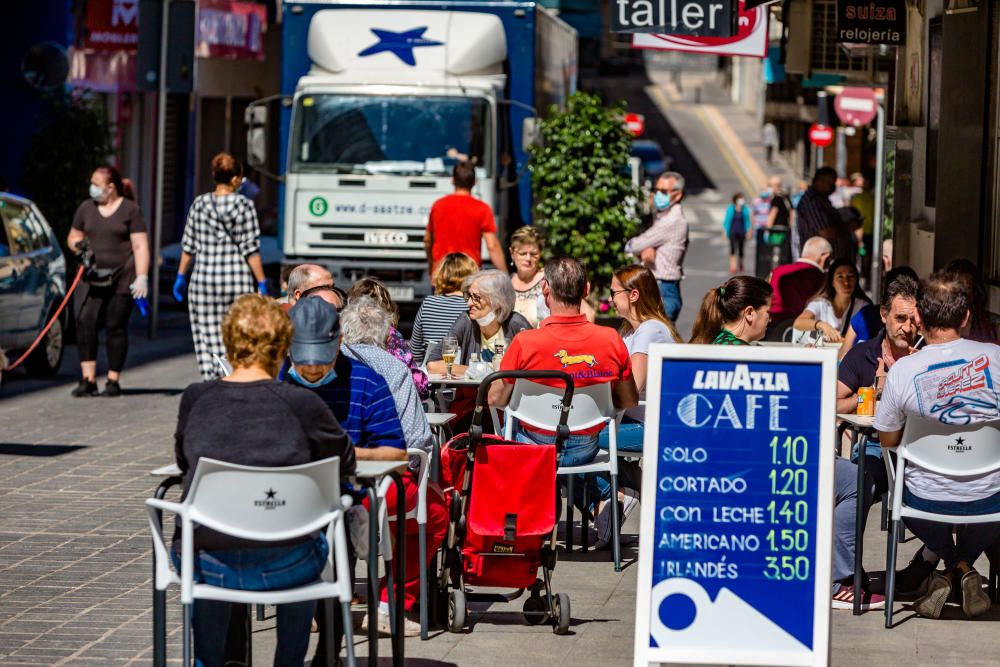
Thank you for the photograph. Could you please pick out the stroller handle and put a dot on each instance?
(562, 430)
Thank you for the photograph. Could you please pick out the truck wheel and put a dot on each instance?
(560, 613)
(456, 611)
(47, 357)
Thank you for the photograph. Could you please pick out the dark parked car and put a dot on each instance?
(654, 161)
(32, 285)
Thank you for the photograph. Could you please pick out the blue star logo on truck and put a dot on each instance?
(400, 44)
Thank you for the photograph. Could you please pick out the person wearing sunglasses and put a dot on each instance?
(662, 247)
(309, 279)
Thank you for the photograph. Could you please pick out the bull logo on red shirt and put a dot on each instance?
(568, 359)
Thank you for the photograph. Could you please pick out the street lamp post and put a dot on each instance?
(161, 140)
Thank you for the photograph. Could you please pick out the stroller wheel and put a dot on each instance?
(456, 610)
(535, 610)
(560, 613)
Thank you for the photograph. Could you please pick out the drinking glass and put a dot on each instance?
(449, 348)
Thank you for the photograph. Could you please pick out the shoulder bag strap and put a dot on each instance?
(229, 235)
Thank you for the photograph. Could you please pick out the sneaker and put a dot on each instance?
(112, 389)
(913, 578)
(938, 590)
(630, 503)
(410, 627)
(602, 524)
(975, 602)
(85, 388)
(844, 599)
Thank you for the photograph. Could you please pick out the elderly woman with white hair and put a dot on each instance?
(489, 325)
(365, 328)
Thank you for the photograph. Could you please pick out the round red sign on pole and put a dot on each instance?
(636, 123)
(856, 106)
(821, 135)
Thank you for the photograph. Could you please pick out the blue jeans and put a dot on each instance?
(971, 541)
(630, 437)
(577, 450)
(271, 568)
(670, 292)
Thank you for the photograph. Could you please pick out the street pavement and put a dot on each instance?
(75, 559)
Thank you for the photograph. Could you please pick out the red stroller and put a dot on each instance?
(504, 513)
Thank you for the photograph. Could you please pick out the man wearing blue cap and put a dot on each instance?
(363, 405)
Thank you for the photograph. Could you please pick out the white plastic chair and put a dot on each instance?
(420, 514)
(539, 406)
(957, 450)
(227, 498)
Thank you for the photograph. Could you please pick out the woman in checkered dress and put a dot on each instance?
(223, 234)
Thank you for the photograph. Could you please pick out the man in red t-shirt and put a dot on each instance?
(459, 223)
(567, 341)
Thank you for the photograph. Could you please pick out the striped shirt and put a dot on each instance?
(816, 216)
(361, 401)
(434, 320)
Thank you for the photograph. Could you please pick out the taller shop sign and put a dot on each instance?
(871, 21)
(697, 18)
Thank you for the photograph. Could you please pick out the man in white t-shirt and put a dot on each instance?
(955, 381)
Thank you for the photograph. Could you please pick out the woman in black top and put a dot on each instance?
(112, 225)
(252, 419)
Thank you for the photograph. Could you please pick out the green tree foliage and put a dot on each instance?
(584, 198)
(63, 153)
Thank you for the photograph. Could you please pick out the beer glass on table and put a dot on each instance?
(449, 348)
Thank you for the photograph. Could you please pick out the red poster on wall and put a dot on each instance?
(111, 25)
(231, 29)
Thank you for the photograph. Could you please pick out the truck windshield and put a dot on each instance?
(367, 134)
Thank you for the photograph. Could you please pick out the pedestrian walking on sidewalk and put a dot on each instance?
(735, 226)
(816, 216)
(769, 137)
(222, 233)
(109, 227)
(662, 247)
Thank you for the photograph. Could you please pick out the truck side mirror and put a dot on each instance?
(530, 134)
(255, 117)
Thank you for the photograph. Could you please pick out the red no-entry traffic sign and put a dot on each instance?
(821, 135)
(856, 106)
(636, 123)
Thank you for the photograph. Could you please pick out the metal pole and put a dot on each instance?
(842, 154)
(161, 140)
(876, 281)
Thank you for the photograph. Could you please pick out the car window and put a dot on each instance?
(19, 229)
(38, 230)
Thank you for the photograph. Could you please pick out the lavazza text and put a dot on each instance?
(671, 14)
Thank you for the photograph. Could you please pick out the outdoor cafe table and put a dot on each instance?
(862, 429)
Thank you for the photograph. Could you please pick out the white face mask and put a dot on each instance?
(487, 319)
(97, 193)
